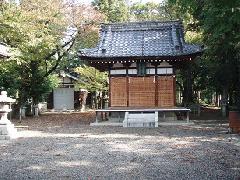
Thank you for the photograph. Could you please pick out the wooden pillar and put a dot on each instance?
(156, 91)
(174, 90)
(109, 92)
(156, 86)
(127, 83)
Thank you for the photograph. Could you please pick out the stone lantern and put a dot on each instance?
(7, 130)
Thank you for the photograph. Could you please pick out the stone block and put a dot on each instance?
(140, 120)
(5, 137)
(8, 130)
(3, 130)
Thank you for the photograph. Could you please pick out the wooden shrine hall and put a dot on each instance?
(141, 58)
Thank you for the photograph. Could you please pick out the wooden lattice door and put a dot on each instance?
(118, 91)
(166, 91)
(141, 91)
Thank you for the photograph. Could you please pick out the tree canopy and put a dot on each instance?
(217, 21)
(114, 10)
(91, 79)
(41, 33)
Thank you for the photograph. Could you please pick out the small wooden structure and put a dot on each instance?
(141, 58)
(64, 97)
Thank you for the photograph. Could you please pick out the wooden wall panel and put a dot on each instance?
(166, 91)
(141, 91)
(118, 91)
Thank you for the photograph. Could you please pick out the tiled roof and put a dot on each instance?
(141, 39)
(65, 74)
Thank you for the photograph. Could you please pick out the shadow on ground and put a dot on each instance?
(73, 150)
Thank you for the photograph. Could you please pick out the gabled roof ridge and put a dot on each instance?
(159, 39)
(141, 25)
(143, 22)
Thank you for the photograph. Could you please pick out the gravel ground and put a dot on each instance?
(58, 148)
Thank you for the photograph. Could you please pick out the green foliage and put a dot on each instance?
(148, 11)
(114, 10)
(46, 86)
(31, 23)
(92, 79)
(9, 77)
(34, 28)
(34, 84)
(218, 22)
(85, 20)
(188, 10)
(88, 39)
(221, 36)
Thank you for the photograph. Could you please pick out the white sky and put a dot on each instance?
(133, 1)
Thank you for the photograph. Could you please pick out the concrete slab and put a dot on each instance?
(173, 123)
(107, 124)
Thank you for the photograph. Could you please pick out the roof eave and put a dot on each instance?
(133, 58)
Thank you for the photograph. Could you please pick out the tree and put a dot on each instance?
(219, 21)
(149, 11)
(222, 20)
(9, 77)
(114, 10)
(92, 80)
(39, 32)
(34, 29)
(85, 20)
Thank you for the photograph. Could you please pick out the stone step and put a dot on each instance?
(141, 124)
(22, 128)
(140, 119)
(141, 116)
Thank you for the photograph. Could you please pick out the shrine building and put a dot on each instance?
(142, 59)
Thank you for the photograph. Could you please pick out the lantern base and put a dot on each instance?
(7, 131)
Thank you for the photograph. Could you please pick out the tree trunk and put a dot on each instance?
(224, 102)
(216, 99)
(231, 98)
(82, 99)
(180, 92)
(187, 87)
(93, 100)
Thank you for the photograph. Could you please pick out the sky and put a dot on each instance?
(133, 1)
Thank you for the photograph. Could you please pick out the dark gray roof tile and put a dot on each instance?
(141, 39)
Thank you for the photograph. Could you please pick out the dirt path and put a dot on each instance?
(60, 147)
